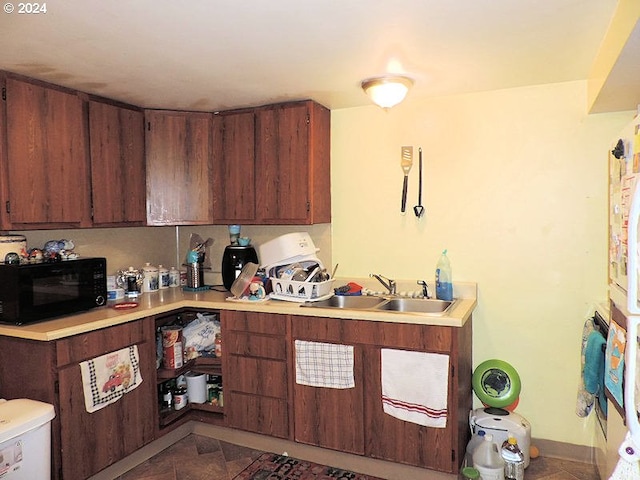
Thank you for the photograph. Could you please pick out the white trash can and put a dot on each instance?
(25, 439)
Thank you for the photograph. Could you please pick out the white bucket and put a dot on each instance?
(12, 244)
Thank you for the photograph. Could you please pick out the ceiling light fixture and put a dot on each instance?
(387, 91)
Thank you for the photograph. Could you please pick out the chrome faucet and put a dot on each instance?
(425, 289)
(386, 282)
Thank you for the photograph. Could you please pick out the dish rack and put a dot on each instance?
(300, 291)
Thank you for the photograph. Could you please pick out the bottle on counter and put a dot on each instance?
(444, 287)
(513, 459)
(488, 461)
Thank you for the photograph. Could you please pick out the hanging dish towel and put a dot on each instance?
(414, 386)
(107, 378)
(324, 365)
(585, 399)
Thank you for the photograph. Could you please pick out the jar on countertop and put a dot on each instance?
(151, 280)
(163, 276)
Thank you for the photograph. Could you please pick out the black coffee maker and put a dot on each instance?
(235, 257)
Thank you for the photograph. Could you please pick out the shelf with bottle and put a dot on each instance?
(174, 401)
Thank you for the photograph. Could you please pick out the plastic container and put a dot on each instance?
(476, 439)
(513, 459)
(25, 439)
(488, 461)
(444, 287)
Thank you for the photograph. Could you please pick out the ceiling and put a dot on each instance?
(214, 55)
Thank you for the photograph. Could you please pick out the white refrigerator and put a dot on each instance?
(624, 293)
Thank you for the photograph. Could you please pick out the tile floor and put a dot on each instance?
(198, 457)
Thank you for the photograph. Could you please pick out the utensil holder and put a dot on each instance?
(195, 275)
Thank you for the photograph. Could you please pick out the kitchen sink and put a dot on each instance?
(415, 305)
(388, 304)
(345, 301)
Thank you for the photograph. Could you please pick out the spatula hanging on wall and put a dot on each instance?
(406, 160)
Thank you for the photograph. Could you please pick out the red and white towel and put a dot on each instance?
(107, 378)
(415, 386)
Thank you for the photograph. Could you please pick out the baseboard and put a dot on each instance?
(565, 451)
(547, 448)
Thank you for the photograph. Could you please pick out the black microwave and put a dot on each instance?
(41, 291)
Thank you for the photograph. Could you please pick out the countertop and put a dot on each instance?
(170, 299)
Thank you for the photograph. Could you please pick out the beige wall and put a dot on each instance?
(515, 187)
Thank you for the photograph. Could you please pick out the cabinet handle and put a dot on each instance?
(7, 206)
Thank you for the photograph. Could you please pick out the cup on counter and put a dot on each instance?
(234, 234)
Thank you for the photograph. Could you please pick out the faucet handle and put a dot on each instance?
(425, 289)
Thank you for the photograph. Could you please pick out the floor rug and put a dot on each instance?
(271, 466)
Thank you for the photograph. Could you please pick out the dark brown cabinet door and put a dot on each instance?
(117, 164)
(179, 163)
(255, 372)
(292, 164)
(328, 417)
(92, 441)
(47, 157)
(392, 439)
(234, 167)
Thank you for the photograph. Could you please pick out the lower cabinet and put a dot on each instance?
(84, 443)
(260, 390)
(255, 359)
(353, 420)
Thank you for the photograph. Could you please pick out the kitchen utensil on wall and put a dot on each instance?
(406, 160)
(419, 209)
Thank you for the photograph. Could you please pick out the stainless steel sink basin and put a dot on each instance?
(415, 305)
(393, 304)
(345, 301)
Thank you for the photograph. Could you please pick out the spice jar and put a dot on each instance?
(218, 345)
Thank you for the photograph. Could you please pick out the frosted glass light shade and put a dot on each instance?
(387, 91)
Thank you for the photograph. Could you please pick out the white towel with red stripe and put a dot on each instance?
(415, 385)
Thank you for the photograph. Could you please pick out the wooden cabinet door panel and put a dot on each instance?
(117, 164)
(254, 322)
(331, 417)
(47, 156)
(264, 415)
(178, 158)
(282, 163)
(257, 376)
(392, 439)
(93, 344)
(254, 345)
(364, 332)
(92, 441)
(234, 180)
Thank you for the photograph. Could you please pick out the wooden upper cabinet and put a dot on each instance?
(234, 176)
(293, 184)
(117, 164)
(47, 160)
(179, 167)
